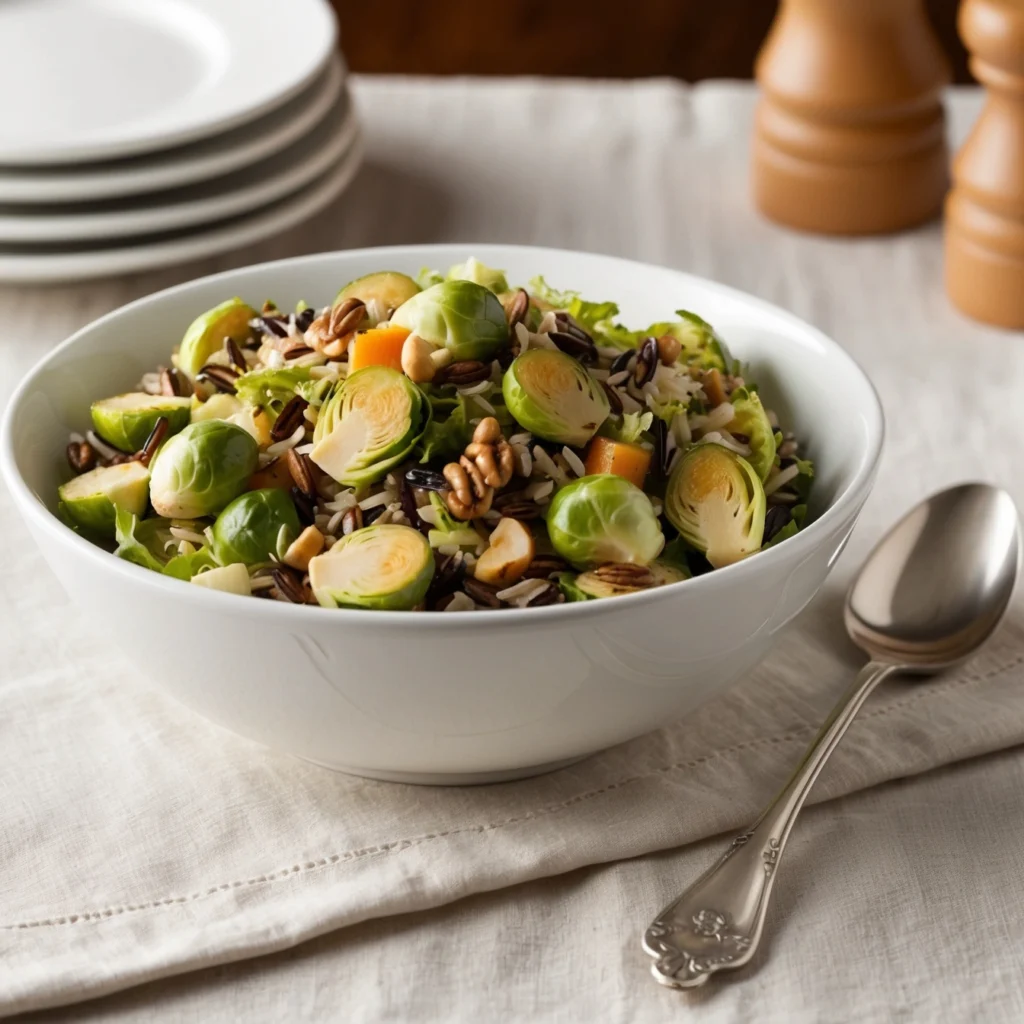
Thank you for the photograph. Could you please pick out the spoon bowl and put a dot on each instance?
(939, 582)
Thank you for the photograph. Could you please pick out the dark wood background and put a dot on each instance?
(688, 39)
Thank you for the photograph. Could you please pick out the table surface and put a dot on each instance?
(899, 903)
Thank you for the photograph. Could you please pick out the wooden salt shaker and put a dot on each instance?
(985, 210)
(849, 136)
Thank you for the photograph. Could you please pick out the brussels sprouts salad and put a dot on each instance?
(444, 443)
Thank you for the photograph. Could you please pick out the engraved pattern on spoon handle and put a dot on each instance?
(716, 924)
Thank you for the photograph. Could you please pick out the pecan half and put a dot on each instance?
(331, 332)
(290, 417)
(304, 506)
(81, 456)
(524, 511)
(470, 496)
(464, 373)
(297, 351)
(625, 574)
(517, 308)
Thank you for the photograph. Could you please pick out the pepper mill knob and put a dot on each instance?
(985, 210)
(849, 135)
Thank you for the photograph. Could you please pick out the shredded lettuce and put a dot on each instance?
(597, 318)
(271, 389)
(149, 543)
(630, 427)
(427, 277)
(449, 429)
(791, 529)
(567, 584)
(676, 553)
(804, 479)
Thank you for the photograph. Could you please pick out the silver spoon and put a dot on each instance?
(929, 595)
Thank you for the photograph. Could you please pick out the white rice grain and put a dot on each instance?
(428, 513)
(335, 521)
(780, 479)
(574, 461)
(475, 389)
(304, 449)
(618, 378)
(522, 453)
(280, 447)
(548, 466)
(181, 533)
(460, 602)
(485, 405)
(522, 593)
(342, 502)
(380, 498)
(539, 490)
(101, 446)
(524, 437)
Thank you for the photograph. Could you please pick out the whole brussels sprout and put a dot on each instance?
(199, 470)
(604, 518)
(752, 420)
(715, 500)
(255, 526)
(463, 316)
(387, 566)
(370, 423)
(554, 397)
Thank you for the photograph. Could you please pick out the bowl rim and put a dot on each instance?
(802, 544)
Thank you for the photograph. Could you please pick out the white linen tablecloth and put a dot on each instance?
(138, 842)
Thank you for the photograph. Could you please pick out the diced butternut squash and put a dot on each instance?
(381, 346)
(629, 461)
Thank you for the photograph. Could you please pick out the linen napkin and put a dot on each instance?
(138, 841)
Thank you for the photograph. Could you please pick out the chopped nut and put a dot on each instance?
(332, 331)
(441, 357)
(307, 545)
(517, 308)
(416, 359)
(487, 431)
(509, 555)
(289, 418)
(668, 349)
(711, 382)
(300, 467)
(469, 496)
(81, 456)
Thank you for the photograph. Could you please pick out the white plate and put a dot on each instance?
(209, 201)
(35, 264)
(175, 168)
(96, 79)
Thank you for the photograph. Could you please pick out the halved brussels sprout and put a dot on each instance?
(604, 518)
(388, 567)
(271, 389)
(255, 526)
(553, 396)
(199, 470)
(370, 423)
(463, 316)
(474, 270)
(594, 585)
(716, 502)
(126, 421)
(701, 346)
(206, 334)
(92, 499)
(229, 579)
(388, 288)
(752, 420)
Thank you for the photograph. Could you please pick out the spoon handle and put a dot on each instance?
(716, 924)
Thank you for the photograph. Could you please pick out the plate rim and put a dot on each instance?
(248, 229)
(194, 212)
(119, 143)
(178, 167)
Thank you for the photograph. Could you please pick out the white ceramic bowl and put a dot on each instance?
(455, 697)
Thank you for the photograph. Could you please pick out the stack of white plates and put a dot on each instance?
(141, 133)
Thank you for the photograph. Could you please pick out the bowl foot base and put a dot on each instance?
(451, 778)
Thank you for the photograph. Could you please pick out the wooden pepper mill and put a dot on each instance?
(849, 136)
(985, 210)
